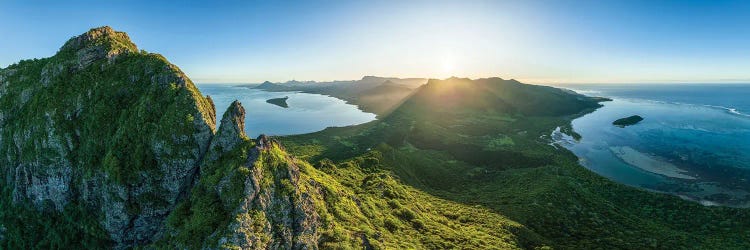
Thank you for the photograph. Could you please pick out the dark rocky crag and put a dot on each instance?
(251, 189)
(231, 131)
(124, 136)
(288, 220)
(88, 127)
(69, 123)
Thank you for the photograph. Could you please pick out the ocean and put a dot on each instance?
(694, 141)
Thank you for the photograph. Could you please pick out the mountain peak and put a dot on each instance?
(104, 39)
(234, 120)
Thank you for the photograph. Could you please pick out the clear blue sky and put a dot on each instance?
(535, 41)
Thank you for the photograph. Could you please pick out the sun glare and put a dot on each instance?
(448, 66)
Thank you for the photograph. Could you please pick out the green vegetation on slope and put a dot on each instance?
(194, 220)
(357, 202)
(361, 197)
(105, 112)
(439, 142)
(23, 227)
(94, 126)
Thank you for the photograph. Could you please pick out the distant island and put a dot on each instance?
(627, 121)
(281, 102)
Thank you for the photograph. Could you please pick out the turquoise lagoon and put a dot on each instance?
(694, 141)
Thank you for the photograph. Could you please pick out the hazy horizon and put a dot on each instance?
(542, 42)
(734, 82)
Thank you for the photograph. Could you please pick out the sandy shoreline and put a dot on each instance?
(648, 163)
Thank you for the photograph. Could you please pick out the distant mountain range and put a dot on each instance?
(374, 94)
(365, 81)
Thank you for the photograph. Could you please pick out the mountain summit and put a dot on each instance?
(98, 43)
(103, 37)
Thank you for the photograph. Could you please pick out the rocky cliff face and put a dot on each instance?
(102, 125)
(250, 193)
(125, 136)
(231, 132)
(274, 212)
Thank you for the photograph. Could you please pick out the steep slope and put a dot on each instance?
(486, 142)
(103, 129)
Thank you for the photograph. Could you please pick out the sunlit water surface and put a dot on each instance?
(306, 112)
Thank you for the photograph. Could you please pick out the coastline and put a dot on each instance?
(688, 181)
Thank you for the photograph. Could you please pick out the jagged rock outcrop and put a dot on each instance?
(231, 131)
(274, 212)
(262, 200)
(125, 136)
(101, 125)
